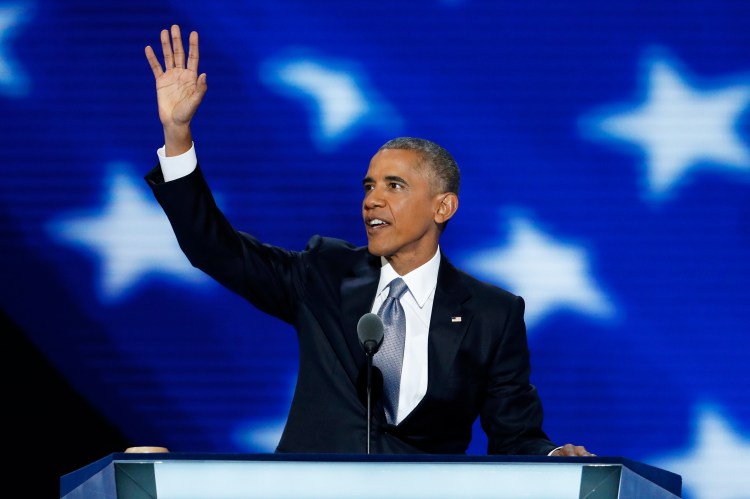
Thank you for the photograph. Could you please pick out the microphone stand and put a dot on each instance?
(370, 334)
(369, 354)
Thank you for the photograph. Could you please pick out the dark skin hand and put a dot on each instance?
(179, 88)
(571, 450)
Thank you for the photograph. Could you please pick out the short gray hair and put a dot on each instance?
(442, 168)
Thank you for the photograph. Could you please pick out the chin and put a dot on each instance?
(373, 250)
(376, 250)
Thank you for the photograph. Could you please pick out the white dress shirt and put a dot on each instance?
(417, 303)
(174, 167)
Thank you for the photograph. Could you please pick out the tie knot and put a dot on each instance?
(398, 288)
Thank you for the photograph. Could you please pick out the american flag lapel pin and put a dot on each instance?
(456, 318)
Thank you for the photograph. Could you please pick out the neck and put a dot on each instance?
(403, 264)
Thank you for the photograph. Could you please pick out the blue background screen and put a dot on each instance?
(605, 155)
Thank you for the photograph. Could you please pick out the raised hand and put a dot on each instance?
(179, 88)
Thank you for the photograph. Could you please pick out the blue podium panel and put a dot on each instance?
(182, 476)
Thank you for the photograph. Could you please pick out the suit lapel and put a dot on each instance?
(357, 295)
(448, 324)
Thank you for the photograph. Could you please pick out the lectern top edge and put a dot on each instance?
(666, 480)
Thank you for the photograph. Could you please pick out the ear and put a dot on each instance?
(447, 207)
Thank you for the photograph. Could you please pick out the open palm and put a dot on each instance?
(179, 88)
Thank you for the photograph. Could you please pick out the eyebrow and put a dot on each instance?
(388, 178)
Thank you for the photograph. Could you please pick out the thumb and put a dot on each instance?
(200, 90)
(201, 84)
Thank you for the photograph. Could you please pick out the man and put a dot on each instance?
(464, 354)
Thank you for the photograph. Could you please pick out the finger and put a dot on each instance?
(166, 49)
(580, 450)
(193, 54)
(179, 52)
(201, 87)
(569, 450)
(153, 62)
(202, 84)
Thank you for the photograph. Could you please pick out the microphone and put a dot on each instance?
(370, 334)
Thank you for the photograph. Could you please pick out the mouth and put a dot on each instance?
(375, 224)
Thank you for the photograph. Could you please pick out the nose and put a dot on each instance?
(373, 199)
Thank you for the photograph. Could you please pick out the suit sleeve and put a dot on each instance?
(269, 277)
(512, 413)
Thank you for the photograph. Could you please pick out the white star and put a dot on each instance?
(131, 237)
(718, 464)
(338, 97)
(548, 274)
(13, 81)
(263, 435)
(679, 127)
(260, 436)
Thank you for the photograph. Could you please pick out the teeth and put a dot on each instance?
(375, 222)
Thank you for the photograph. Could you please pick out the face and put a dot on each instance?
(400, 210)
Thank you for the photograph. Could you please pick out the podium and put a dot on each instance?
(246, 476)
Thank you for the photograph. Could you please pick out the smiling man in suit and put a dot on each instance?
(464, 351)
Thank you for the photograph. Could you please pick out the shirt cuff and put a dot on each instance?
(174, 167)
(553, 450)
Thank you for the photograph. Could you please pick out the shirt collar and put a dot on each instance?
(421, 281)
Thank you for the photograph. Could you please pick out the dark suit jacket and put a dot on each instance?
(478, 365)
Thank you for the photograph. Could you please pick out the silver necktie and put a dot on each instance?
(390, 357)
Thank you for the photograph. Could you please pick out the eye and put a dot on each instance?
(395, 185)
(368, 187)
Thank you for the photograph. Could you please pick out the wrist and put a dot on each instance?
(177, 139)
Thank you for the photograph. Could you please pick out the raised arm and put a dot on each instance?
(179, 88)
